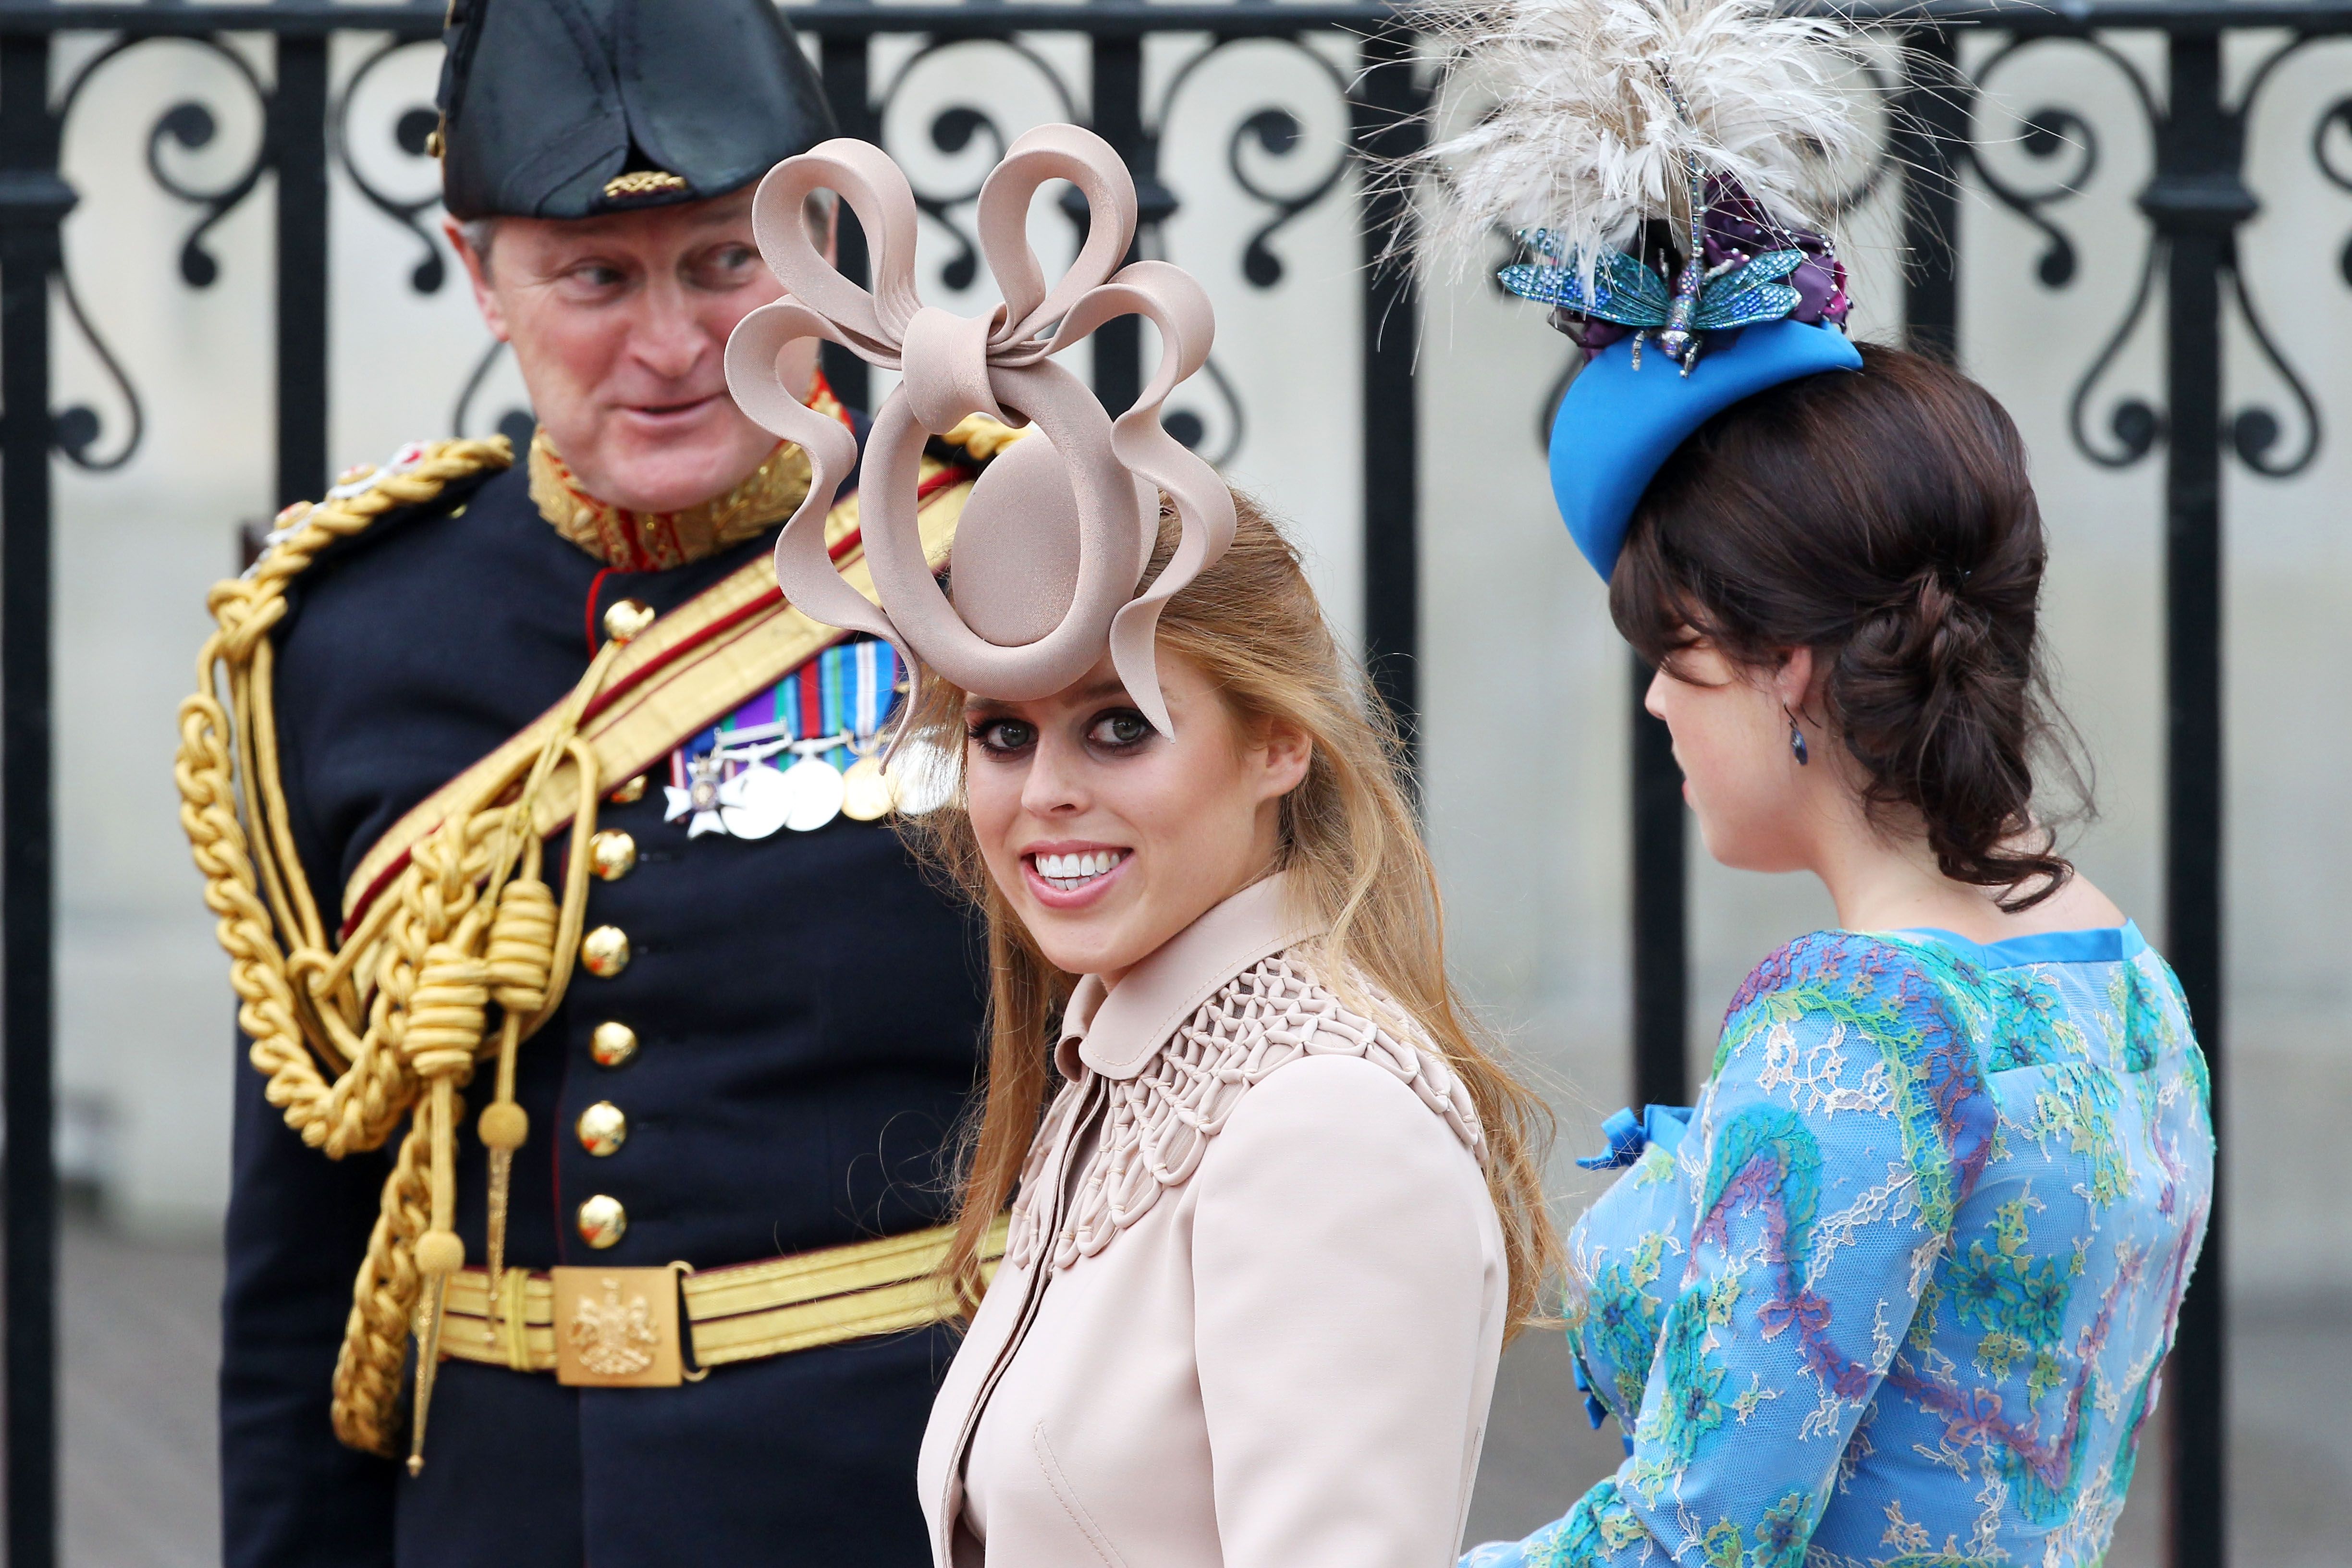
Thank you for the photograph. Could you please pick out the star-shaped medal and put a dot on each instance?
(699, 800)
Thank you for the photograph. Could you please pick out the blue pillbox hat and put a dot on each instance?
(1617, 425)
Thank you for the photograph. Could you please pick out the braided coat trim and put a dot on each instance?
(1158, 1124)
(332, 1029)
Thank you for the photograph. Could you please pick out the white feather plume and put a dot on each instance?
(1585, 138)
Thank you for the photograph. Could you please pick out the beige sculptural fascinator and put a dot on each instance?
(1054, 541)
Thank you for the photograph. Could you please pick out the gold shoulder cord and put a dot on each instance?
(399, 1013)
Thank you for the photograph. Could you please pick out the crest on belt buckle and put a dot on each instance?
(617, 1328)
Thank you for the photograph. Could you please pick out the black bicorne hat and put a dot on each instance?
(567, 109)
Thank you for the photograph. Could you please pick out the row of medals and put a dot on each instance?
(804, 797)
(761, 798)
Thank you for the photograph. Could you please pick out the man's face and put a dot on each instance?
(619, 325)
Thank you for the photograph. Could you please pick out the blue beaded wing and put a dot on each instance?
(1749, 293)
(1623, 291)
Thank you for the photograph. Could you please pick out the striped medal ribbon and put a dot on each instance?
(795, 756)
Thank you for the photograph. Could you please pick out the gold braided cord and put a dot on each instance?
(383, 1298)
(387, 1026)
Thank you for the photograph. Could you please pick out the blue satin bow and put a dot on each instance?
(1628, 1135)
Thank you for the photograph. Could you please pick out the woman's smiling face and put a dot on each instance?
(1107, 837)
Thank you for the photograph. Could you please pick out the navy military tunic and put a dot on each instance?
(808, 1009)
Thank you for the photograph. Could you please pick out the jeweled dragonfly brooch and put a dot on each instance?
(1734, 293)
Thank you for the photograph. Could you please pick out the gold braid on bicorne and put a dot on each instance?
(389, 1023)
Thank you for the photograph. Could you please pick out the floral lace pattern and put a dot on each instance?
(1158, 1124)
(1900, 1298)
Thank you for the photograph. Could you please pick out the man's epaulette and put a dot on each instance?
(363, 495)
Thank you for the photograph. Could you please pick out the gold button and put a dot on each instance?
(601, 1221)
(630, 793)
(613, 1044)
(628, 618)
(612, 854)
(604, 952)
(603, 1128)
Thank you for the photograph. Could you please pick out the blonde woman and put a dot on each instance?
(1274, 1207)
(1268, 1240)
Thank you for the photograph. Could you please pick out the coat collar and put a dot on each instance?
(1117, 1030)
(629, 541)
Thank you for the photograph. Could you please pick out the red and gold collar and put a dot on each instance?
(655, 541)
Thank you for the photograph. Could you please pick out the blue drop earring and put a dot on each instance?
(1796, 739)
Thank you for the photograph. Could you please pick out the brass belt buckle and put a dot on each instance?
(618, 1328)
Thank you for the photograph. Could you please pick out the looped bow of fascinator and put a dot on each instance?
(1058, 530)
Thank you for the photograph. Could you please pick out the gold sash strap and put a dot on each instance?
(685, 670)
(739, 1313)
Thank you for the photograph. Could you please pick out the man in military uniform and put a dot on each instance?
(607, 1050)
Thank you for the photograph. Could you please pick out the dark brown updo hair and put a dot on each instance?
(1886, 521)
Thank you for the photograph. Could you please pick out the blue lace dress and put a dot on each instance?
(1899, 1294)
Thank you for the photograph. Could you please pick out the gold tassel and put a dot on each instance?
(521, 956)
(445, 1018)
(439, 1254)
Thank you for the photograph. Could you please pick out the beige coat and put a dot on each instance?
(1255, 1288)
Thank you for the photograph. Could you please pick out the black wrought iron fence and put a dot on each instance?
(2194, 206)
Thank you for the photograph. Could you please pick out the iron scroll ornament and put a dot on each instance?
(412, 132)
(190, 125)
(1000, 365)
(2134, 423)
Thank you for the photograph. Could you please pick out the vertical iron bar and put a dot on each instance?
(1384, 111)
(33, 201)
(1660, 901)
(298, 138)
(1931, 124)
(848, 90)
(1116, 95)
(2196, 200)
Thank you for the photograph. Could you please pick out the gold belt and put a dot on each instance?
(619, 1326)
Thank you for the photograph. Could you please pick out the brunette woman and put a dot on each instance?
(1898, 1291)
(1902, 1289)
(1274, 1207)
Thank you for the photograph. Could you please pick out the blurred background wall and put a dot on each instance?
(1525, 684)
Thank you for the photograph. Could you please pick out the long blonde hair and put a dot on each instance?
(1354, 853)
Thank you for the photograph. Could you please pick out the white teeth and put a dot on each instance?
(1070, 872)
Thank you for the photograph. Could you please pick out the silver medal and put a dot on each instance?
(755, 802)
(814, 794)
